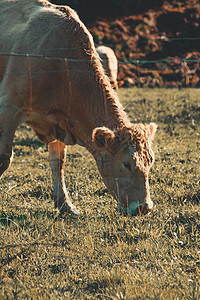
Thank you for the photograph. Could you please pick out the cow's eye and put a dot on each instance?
(127, 165)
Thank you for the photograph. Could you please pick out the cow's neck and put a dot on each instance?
(109, 114)
(92, 102)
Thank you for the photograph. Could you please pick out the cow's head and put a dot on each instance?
(124, 158)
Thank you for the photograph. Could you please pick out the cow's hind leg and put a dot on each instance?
(57, 156)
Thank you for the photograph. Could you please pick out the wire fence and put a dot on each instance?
(181, 70)
(187, 67)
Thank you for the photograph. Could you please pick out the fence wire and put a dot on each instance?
(139, 66)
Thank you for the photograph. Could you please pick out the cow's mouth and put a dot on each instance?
(136, 209)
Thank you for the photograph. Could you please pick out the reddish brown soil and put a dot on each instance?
(158, 48)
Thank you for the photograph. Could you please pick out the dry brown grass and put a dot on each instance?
(103, 254)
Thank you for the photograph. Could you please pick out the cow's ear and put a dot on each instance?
(151, 130)
(102, 137)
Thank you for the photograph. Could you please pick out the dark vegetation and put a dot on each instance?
(157, 43)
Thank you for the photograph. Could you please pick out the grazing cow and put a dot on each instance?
(110, 63)
(52, 78)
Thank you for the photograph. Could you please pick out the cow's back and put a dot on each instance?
(35, 39)
(110, 63)
(14, 17)
(29, 24)
(15, 23)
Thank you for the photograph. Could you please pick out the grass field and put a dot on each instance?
(103, 254)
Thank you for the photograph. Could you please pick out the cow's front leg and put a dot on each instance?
(9, 120)
(57, 157)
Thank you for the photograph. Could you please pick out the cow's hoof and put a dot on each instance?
(66, 208)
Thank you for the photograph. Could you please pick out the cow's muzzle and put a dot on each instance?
(136, 209)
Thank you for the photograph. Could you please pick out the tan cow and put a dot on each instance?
(53, 80)
(110, 63)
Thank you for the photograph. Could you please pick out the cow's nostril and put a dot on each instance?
(142, 210)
